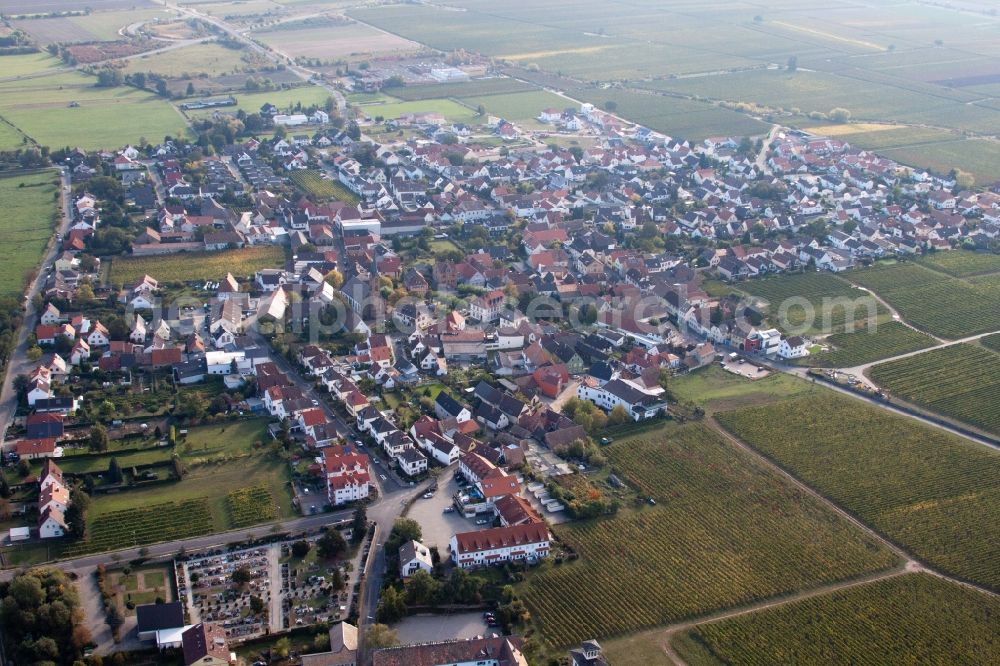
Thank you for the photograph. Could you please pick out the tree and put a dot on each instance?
(331, 544)
(300, 548)
(161, 88)
(241, 576)
(611, 105)
(256, 605)
(34, 353)
(839, 115)
(391, 606)
(4, 486)
(281, 648)
(113, 618)
(618, 416)
(98, 438)
(379, 636)
(359, 524)
(115, 471)
(190, 89)
(76, 513)
(421, 588)
(335, 278)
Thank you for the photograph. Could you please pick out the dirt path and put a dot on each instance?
(275, 597)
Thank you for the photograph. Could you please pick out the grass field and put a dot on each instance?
(813, 302)
(27, 223)
(285, 100)
(725, 531)
(211, 59)
(932, 301)
(872, 344)
(452, 111)
(475, 88)
(519, 107)
(105, 118)
(203, 443)
(322, 189)
(27, 63)
(913, 619)
(185, 266)
(933, 493)
(960, 381)
(716, 389)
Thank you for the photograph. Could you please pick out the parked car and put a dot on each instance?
(428, 495)
(482, 521)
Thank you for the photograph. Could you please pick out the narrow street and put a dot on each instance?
(18, 364)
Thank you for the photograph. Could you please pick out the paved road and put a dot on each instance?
(19, 363)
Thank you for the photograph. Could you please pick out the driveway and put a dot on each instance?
(436, 525)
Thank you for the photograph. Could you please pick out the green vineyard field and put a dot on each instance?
(960, 381)
(725, 530)
(867, 345)
(911, 619)
(935, 494)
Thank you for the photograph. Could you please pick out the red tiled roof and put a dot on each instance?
(501, 537)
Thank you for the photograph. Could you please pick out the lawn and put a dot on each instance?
(208, 58)
(322, 189)
(933, 493)
(960, 381)
(519, 107)
(932, 301)
(870, 344)
(105, 117)
(726, 530)
(26, 226)
(84, 464)
(813, 302)
(912, 619)
(226, 439)
(185, 266)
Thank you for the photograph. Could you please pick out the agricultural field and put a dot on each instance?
(870, 344)
(682, 118)
(879, 136)
(991, 342)
(932, 301)
(813, 302)
(10, 138)
(961, 264)
(314, 38)
(28, 63)
(725, 531)
(519, 107)
(935, 494)
(960, 381)
(191, 61)
(105, 117)
(142, 524)
(248, 506)
(322, 189)
(979, 157)
(912, 619)
(185, 266)
(30, 210)
(474, 88)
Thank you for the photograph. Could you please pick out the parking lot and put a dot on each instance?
(436, 525)
(429, 628)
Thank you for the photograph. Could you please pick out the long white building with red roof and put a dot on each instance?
(500, 544)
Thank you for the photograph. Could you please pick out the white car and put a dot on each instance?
(383, 477)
